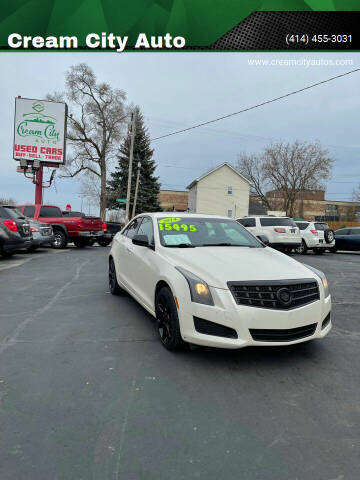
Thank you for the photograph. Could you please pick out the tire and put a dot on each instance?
(287, 250)
(6, 254)
(318, 251)
(32, 249)
(114, 287)
(80, 243)
(329, 235)
(168, 320)
(104, 243)
(90, 242)
(302, 249)
(60, 239)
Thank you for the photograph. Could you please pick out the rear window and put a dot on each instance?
(29, 211)
(12, 213)
(302, 226)
(321, 226)
(50, 212)
(277, 222)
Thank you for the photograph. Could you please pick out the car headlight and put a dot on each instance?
(322, 277)
(199, 290)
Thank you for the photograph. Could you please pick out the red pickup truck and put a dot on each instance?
(78, 229)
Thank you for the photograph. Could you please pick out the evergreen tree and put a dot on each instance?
(149, 187)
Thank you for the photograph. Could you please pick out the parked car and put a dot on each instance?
(110, 229)
(208, 281)
(316, 236)
(347, 239)
(280, 232)
(77, 229)
(42, 234)
(15, 231)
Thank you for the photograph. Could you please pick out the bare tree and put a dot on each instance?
(96, 122)
(288, 168)
(8, 201)
(356, 194)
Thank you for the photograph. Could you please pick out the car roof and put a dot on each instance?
(182, 215)
(264, 216)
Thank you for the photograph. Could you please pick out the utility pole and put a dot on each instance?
(127, 211)
(136, 189)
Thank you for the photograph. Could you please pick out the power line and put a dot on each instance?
(256, 106)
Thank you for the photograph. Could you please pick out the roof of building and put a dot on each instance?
(194, 182)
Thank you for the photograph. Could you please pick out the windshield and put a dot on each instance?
(187, 232)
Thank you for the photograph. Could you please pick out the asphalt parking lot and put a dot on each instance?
(88, 392)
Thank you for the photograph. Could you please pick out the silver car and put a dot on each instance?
(42, 234)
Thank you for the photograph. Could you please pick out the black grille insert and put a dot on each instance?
(211, 328)
(326, 321)
(275, 294)
(282, 335)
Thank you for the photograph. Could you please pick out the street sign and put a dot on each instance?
(121, 200)
(39, 131)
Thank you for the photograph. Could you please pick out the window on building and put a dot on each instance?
(229, 190)
(229, 213)
(330, 208)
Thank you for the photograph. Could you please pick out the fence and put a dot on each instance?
(344, 223)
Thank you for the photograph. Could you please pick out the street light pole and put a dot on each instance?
(127, 211)
(136, 189)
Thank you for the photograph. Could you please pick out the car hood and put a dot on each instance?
(219, 265)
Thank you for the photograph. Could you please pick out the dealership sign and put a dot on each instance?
(39, 130)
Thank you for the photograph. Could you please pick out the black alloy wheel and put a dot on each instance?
(168, 320)
(114, 287)
(60, 240)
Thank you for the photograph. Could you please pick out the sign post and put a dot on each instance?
(39, 137)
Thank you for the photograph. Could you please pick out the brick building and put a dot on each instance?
(173, 200)
(312, 205)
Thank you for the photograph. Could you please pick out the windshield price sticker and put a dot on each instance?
(169, 220)
(176, 226)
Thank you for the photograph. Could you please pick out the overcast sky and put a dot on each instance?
(176, 90)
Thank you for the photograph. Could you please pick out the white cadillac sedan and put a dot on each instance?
(208, 281)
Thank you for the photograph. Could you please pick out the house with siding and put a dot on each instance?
(221, 191)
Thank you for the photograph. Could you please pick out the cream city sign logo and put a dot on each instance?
(38, 125)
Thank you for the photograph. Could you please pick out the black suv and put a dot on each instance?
(15, 231)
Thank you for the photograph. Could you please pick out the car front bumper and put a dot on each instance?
(40, 240)
(243, 318)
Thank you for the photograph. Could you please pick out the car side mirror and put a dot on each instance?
(141, 240)
(263, 239)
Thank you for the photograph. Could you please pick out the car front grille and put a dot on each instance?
(275, 294)
(45, 231)
(282, 335)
